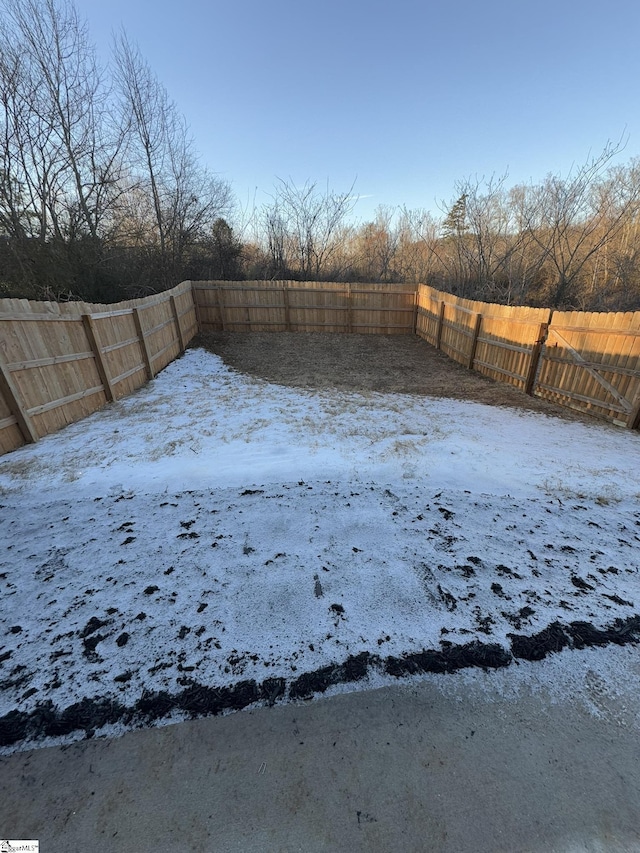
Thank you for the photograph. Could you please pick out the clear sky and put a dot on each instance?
(404, 97)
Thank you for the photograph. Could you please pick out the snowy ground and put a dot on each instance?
(215, 541)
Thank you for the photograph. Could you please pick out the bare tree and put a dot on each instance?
(306, 230)
(416, 257)
(61, 153)
(572, 220)
(63, 150)
(184, 198)
(375, 245)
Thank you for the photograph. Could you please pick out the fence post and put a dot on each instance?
(92, 336)
(440, 324)
(220, 300)
(535, 358)
(10, 391)
(176, 319)
(349, 312)
(196, 307)
(634, 416)
(414, 328)
(148, 362)
(285, 297)
(474, 341)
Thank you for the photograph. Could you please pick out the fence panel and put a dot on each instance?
(509, 343)
(60, 362)
(500, 341)
(319, 307)
(300, 306)
(591, 362)
(118, 339)
(52, 367)
(382, 312)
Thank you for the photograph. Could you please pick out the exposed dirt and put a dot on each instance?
(198, 700)
(403, 364)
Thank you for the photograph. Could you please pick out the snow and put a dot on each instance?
(214, 528)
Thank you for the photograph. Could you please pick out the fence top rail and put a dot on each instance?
(315, 307)
(588, 315)
(427, 292)
(77, 318)
(522, 321)
(312, 324)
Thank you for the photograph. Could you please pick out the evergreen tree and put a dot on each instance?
(455, 222)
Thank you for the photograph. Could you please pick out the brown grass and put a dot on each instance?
(402, 364)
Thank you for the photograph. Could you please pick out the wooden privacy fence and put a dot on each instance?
(60, 362)
(299, 306)
(587, 361)
(501, 341)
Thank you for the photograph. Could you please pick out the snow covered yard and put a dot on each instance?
(216, 540)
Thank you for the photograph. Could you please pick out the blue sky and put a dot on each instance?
(404, 98)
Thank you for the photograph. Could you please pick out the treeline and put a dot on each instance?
(565, 242)
(103, 197)
(102, 194)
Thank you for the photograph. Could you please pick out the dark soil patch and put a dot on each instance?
(622, 631)
(92, 626)
(199, 700)
(355, 668)
(536, 647)
(516, 619)
(449, 659)
(581, 584)
(617, 600)
(403, 364)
